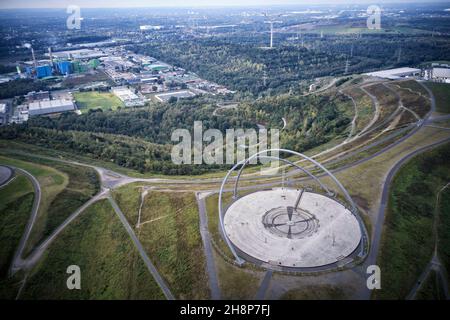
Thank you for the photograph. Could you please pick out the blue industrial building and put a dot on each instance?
(65, 67)
(43, 71)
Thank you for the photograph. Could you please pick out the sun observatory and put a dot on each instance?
(293, 228)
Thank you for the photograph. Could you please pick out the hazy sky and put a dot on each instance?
(178, 3)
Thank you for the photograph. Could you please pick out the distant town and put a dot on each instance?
(134, 79)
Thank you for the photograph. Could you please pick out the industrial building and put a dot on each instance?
(165, 97)
(50, 106)
(81, 54)
(64, 67)
(35, 96)
(41, 71)
(3, 113)
(440, 74)
(128, 97)
(394, 74)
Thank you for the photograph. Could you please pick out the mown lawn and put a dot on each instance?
(110, 265)
(407, 241)
(96, 100)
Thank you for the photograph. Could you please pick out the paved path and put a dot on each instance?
(17, 258)
(159, 280)
(378, 228)
(19, 262)
(435, 264)
(264, 285)
(207, 247)
(6, 174)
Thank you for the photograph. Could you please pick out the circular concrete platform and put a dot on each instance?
(5, 175)
(266, 226)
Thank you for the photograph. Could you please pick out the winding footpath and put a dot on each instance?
(17, 261)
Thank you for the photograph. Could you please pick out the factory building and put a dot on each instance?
(64, 67)
(42, 71)
(394, 74)
(441, 74)
(39, 95)
(128, 97)
(50, 106)
(3, 114)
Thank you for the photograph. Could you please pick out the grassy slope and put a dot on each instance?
(52, 182)
(443, 231)
(236, 283)
(96, 100)
(74, 185)
(431, 288)
(407, 242)
(441, 92)
(15, 207)
(315, 292)
(213, 222)
(172, 239)
(110, 266)
(128, 198)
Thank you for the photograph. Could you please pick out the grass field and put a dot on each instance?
(431, 288)
(170, 234)
(213, 222)
(364, 107)
(110, 266)
(52, 182)
(236, 283)
(441, 92)
(15, 208)
(315, 292)
(64, 188)
(128, 198)
(443, 230)
(407, 241)
(97, 100)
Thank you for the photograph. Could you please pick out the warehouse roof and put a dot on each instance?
(393, 73)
